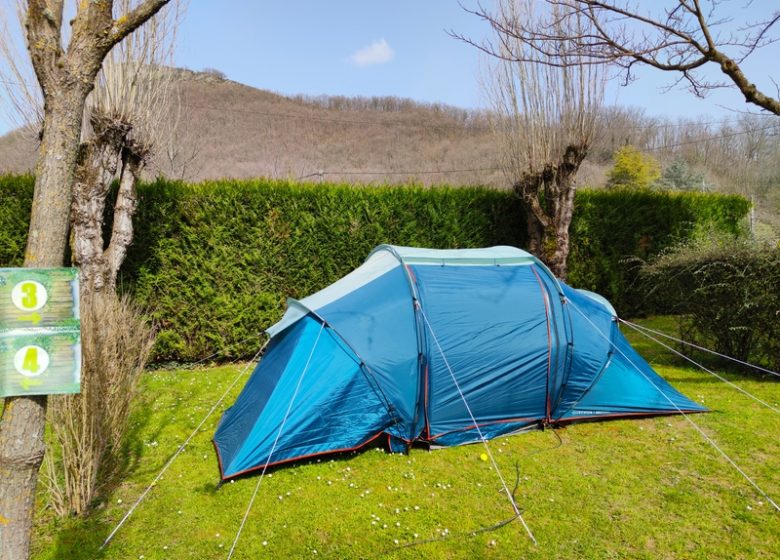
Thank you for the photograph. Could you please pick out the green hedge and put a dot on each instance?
(16, 193)
(216, 261)
(615, 232)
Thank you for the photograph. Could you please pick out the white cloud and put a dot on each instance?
(377, 52)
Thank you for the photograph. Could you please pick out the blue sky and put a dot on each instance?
(309, 47)
(390, 47)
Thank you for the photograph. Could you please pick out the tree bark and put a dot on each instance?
(23, 419)
(124, 210)
(563, 215)
(548, 197)
(96, 167)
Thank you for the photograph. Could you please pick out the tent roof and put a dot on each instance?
(385, 258)
(488, 255)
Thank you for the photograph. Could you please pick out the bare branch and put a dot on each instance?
(126, 24)
(545, 96)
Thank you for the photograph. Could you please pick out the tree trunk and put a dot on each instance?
(124, 210)
(535, 232)
(23, 419)
(96, 167)
(548, 197)
(563, 214)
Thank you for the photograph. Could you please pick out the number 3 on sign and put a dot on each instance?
(29, 295)
(31, 361)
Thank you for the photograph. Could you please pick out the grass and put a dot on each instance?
(648, 488)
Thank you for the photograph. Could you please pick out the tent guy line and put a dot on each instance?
(482, 438)
(507, 267)
(222, 352)
(700, 366)
(276, 441)
(702, 348)
(181, 448)
(686, 416)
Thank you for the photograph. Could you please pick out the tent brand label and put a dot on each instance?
(40, 331)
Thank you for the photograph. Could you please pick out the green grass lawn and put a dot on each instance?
(621, 489)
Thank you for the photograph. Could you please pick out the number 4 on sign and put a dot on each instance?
(31, 361)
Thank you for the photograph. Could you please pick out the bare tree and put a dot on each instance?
(122, 121)
(178, 150)
(678, 36)
(66, 77)
(545, 117)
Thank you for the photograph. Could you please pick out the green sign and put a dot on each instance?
(40, 331)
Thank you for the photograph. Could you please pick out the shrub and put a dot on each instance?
(633, 169)
(218, 260)
(16, 194)
(615, 232)
(727, 293)
(88, 428)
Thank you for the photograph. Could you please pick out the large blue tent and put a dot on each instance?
(443, 347)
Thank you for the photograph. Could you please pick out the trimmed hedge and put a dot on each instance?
(216, 261)
(16, 194)
(615, 232)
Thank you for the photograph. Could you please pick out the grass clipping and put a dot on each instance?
(86, 456)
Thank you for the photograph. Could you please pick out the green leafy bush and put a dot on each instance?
(726, 293)
(633, 169)
(216, 261)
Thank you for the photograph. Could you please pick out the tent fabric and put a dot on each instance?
(418, 344)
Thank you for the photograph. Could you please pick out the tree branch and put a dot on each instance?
(43, 23)
(126, 24)
(749, 90)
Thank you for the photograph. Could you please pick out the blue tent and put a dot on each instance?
(436, 346)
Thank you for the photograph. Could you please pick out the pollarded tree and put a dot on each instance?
(545, 118)
(66, 76)
(123, 119)
(132, 97)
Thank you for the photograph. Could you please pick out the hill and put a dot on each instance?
(220, 128)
